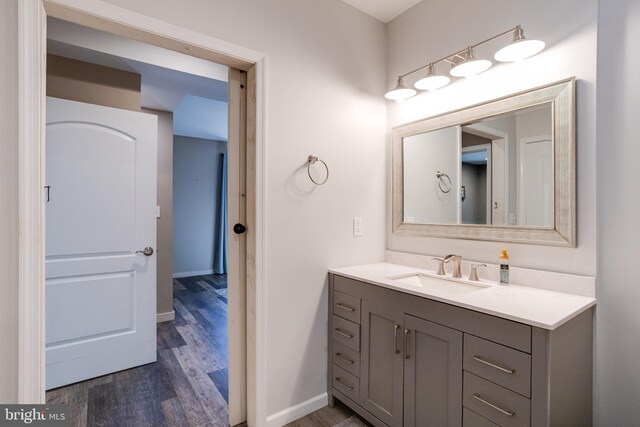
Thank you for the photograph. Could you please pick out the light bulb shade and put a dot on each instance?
(433, 81)
(400, 92)
(470, 67)
(518, 50)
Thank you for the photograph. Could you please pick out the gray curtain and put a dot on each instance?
(220, 242)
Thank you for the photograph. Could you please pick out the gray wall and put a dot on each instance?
(164, 225)
(618, 287)
(9, 201)
(94, 84)
(195, 186)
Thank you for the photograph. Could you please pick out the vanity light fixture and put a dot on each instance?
(464, 64)
(520, 48)
(400, 92)
(432, 81)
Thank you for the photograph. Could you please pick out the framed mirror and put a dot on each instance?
(503, 170)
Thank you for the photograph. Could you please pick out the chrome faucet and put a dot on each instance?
(473, 276)
(457, 265)
(440, 266)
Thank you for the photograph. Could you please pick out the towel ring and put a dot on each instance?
(311, 161)
(441, 181)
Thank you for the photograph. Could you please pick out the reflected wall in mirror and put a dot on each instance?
(499, 170)
(503, 170)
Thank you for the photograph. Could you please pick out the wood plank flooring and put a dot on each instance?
(188, 385)
(339, 415)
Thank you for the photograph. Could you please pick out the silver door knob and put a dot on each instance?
(148, 251)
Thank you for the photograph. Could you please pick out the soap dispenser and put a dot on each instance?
(504, 267)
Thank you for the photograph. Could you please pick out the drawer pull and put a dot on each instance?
(500, 368)
(491, 405)
(341, 332)
(350, 362)
(346, 385)
(345, 307)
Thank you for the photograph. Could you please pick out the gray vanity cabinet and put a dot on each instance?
(432, 374)
(381, 362)
(401, 360)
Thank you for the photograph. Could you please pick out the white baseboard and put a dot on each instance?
(298, 411)
(192, 273)
(166, 317)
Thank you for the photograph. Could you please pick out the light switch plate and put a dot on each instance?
(157, 211)
(357, 226)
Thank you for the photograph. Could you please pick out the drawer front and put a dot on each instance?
(471, 419)
(346, 306)
(495, 403)
(502, 365)
(346, 383)
(346, 358)
(345, 332)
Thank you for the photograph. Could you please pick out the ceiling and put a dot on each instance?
(383, 10)
(195, 92)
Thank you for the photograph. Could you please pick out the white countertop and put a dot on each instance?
(533, 306)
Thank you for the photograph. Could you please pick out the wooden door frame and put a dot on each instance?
(32, 93)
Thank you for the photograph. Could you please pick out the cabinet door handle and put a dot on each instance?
(500, 368)
(350, 362)
(395, 337)
(406, 343)
(346, 385)
(345, 307)
(344, 334)
(491, 405)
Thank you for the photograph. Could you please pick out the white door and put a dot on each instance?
(536, 182)
(100, 293)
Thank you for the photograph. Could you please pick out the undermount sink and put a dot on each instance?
(429, 283)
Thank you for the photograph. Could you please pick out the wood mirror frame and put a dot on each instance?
(561, 95)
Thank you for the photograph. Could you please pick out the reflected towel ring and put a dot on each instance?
(441, 181)
(311, 161)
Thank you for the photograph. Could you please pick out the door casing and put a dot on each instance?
(32, 92)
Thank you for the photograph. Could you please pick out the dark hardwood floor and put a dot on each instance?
(188, 385)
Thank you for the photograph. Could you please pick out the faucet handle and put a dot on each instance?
(452, 257)
(473, 276)
(440, 266)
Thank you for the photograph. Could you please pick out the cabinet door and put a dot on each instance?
(381, 362)
(432, 374)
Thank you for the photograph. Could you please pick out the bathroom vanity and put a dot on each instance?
(409, 349)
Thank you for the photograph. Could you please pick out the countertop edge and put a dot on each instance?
(479, 309)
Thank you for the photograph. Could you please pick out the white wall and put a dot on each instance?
(9, 201)
(618, 287)
(433, 29)
(196, 177)
(325, 80)
(425, 154)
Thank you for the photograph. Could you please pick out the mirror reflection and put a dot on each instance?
(495, 171)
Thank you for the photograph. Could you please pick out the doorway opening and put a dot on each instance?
(201, 312)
